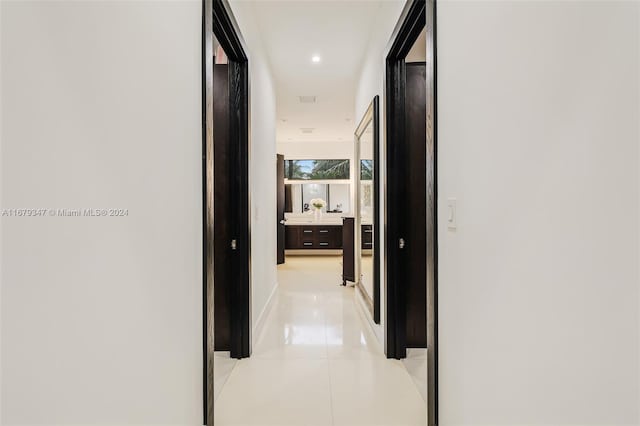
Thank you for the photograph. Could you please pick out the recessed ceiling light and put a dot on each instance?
(315, 59)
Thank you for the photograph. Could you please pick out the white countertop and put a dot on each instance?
(312, 222)
(326, 219)
(321, 223)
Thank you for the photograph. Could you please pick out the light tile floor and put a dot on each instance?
(317, 362)
(416, 365)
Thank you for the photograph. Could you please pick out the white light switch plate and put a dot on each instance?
(452, 213)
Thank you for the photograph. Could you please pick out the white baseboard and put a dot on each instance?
(259, 324)
(363, 310)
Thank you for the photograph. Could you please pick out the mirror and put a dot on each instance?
(297, 197)
(367, 209)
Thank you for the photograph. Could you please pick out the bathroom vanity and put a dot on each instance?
(321, 236)
(313, 236)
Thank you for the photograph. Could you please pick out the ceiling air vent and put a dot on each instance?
(307, 130)
(307, 99)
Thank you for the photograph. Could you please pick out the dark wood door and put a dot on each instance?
(239, 217)
(410, 187)
(221, 230)
(226, 278)
(416, 204)
(280, 204)
(405, 219)
(231, 213)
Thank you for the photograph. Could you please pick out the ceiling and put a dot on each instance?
(337, 31)
(418, 52)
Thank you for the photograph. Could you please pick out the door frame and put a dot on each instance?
(219, 24)
(417, 15)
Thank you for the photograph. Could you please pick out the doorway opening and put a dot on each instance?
(328, 220)
(226, 198)
(411, 197)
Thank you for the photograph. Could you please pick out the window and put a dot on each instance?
(316, 169)
(366, 169)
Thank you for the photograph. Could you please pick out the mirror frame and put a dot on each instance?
(372, 115)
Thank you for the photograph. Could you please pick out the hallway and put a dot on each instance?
(316, 361)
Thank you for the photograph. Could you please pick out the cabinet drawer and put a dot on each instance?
(313, 237)
(367, 237)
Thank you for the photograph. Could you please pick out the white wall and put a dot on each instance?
(316, 150)
(262, 165)
(371, 81)
(370, 84)
(538, 141)
(101, 317)
(1, 206)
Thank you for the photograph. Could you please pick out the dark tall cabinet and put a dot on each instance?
(348, 252)
(280, 206)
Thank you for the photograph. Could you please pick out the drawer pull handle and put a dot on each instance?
(307, 231)
(307, 244)
(324, 244)
(368, 244)
(323, 231)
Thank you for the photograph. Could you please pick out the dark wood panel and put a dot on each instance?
(240, 221)
(221, 205)
(348, 252)
(218, 23)
(395, 213)
(376, 210)
(307, 237)
(367, 237)
(397, 230)
(288, 203)
(416, 16)
(208, 344)
(313, 237)
(416, 249)
(329, 237)
(291, 237)
(432, 219)
(280, 207)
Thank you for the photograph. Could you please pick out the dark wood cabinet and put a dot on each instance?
(348, 252)
(313, 237)
(324, 236)
(367, 237)
(280, 208)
